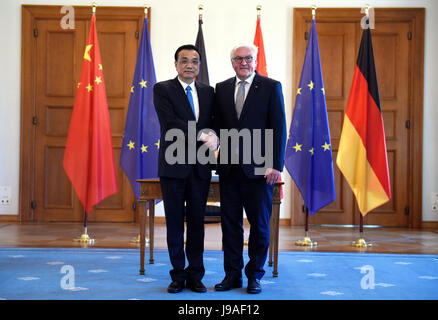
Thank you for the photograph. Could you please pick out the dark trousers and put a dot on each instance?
(255, 196)
(191, 192)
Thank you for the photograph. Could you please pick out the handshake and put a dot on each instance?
(210, 139)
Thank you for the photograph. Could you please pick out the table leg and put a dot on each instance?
(271, 238)
(142, 216)
(151, 230)
(276, 225)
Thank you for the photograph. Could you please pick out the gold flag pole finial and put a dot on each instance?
(367, 7)
(93, 8)
(146, 8)
(314, 7)
(259, 10)
(200, 8)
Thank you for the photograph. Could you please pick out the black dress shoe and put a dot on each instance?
(196, 286)
(229, 283)
(175, 286)
(254, 286)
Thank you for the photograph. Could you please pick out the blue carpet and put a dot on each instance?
(107, 274)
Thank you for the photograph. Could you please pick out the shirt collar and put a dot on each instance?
(249, 80)
(185, 85)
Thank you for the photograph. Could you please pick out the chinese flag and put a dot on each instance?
(261, 58)
(88, 157)
(362, 149)
(261, 63)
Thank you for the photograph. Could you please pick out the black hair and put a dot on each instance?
(187, 47)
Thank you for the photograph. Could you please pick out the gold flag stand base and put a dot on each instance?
(361, 243)
(84, 238)
(136, 240)
(306, 242)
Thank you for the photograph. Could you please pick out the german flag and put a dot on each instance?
(362, 149)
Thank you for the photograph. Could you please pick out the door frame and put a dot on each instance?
(31, 13)
(416, 19)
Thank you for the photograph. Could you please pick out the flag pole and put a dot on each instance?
(361, 243)
(85, 238)
(306, 242)
(136, 239)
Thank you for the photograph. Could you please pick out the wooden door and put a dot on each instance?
(50, 77)
(57, 54)
(339, 35)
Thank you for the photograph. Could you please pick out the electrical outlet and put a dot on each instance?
(434, 201)
(5, 195)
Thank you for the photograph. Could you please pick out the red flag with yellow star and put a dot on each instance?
(89, 157)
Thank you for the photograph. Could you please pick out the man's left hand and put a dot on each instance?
(272, 175)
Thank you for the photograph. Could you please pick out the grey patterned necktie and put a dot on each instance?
(240, 98)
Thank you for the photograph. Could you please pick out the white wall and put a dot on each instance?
(226, 23)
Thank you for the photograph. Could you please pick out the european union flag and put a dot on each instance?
(308, 152)
(139, 154)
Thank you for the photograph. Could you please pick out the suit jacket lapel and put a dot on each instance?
(229, 93)
(251, 96)
(201, 100)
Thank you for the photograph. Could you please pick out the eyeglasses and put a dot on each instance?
(185, 61)
(238, 59)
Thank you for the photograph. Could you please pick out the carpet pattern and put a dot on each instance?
(112, 274)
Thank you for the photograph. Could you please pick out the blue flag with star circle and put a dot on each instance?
(140, 146)
(309, 152)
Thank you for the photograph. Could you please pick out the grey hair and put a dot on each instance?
(250, 46)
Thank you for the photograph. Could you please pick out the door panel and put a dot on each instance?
(58, 56)
(336, 50)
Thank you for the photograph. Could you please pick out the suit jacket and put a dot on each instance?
(174, 112)
(263, 109)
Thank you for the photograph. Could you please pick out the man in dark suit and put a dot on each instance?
(184, 183)
(248, 102)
